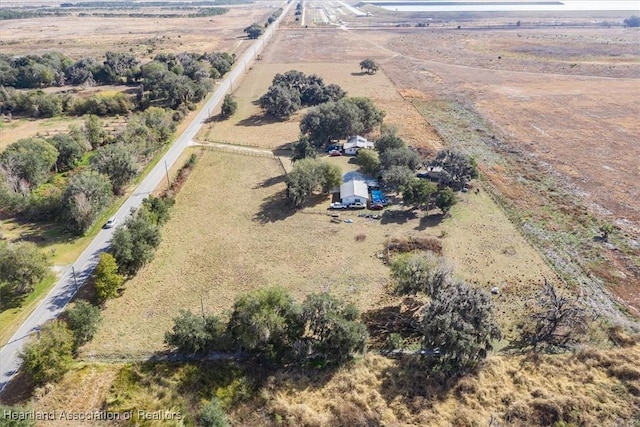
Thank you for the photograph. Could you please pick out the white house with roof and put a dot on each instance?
(354, 191)
(354, 143)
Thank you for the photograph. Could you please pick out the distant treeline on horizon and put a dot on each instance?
(139, 4)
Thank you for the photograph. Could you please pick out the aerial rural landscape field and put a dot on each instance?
(516, 301)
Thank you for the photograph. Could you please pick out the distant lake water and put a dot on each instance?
(507, 6)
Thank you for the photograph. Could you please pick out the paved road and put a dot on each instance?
(57, 299)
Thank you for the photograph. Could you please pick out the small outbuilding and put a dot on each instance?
(354, 191)
(355, 143)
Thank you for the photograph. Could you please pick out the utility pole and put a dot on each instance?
(75, 281)
(166, 169)
(202, 307)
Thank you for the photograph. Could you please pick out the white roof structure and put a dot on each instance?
(354, 188)
(357, 142)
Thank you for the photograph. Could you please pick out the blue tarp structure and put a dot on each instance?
(378, 197)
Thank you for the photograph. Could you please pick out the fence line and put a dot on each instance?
(234, 150)
(284, 170)
(242, 144)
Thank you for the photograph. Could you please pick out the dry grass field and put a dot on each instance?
(249, 125)
(144, 37)
(231, 232)
(12, 131)
(590, 388)
(544, 111)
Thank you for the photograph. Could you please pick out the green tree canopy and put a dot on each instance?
(134, 242)
(117, 162)
(118, 67)
(229, 106)
(292, 90)
(70, 151)
(280, 102)
(417, 192)
(83, 320)
(457, 168)
(22, 266)
(107, 279)
(254, 30)
(309, 175)
(303, 149)
(420, 273)
(195, 334)
(265, 321)
(221, 61)
(159, 208)
(337, 120)
(94, 130)
(30, 159)
(399, 157)
(460, 325)
(49, 356)
(397, 176)
(85, 196)
(332, 333)
(445, 199)
(369, 161)
(389, 140)
(369, 65)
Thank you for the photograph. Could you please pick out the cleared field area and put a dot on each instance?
(249, 126)
(144, 37)
(543, 109)
(231, 232)
(17, 129)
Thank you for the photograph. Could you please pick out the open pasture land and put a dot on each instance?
(17, 129)
(231, 231)
(330, 56)
(582, 126)
(544, 110)
(78, 36)
(561, 148)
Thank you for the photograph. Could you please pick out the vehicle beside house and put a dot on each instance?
(355, 143)
(354, 191)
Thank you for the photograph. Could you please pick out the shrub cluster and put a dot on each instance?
(321, 331)
(293, 90)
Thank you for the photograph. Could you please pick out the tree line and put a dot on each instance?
(69, 179)
(269, 324)
(48, 178)
(169, 80)
(134, 242)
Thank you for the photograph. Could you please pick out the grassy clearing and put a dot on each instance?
(26, 128)
(543, 209)
(231, 231)
(248, 126)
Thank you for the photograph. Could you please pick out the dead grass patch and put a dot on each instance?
(93, 36)
(410, 244)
